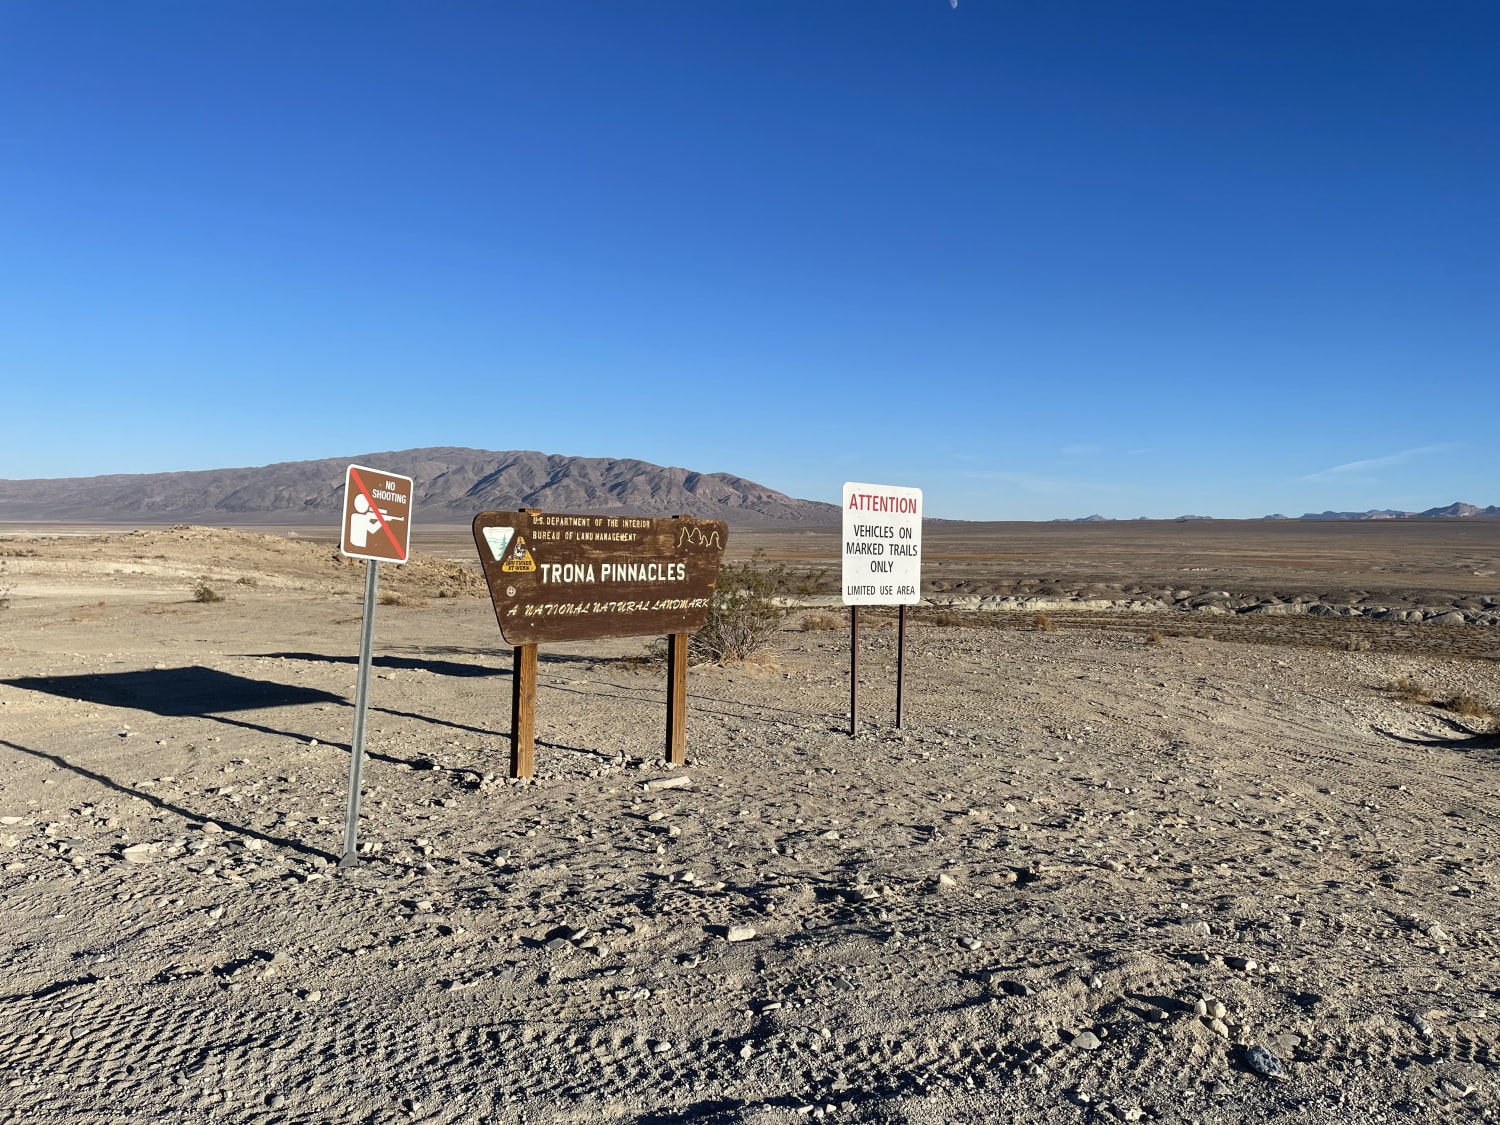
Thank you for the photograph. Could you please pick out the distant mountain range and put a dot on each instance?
(1457, 510)
(451, 486)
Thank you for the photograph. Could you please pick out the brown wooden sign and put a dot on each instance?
(577, 578)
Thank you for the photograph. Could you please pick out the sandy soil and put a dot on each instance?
(1094, 878)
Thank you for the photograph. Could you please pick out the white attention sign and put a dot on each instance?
(882, 544)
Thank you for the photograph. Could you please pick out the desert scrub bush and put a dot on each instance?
(743, 616)
(203, 592)
(1043, 624)
(1408, 690)
(1155, 638)
(403, 601)
(821, 621)
(653, 658)
(1469, 706)
(246, 580)
(944, 617)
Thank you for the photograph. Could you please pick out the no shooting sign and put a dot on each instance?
(377, 515)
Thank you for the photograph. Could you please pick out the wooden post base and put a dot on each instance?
(677, 662)
(523, 712)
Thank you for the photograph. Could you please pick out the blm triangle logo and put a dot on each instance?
(498, 539)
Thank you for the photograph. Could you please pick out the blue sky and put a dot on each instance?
(1039, 257)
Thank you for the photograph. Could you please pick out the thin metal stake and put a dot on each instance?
(900, 660)
(853, 670)
(361, 697)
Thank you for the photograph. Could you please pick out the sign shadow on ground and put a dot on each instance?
(164, 805)
(196, 692)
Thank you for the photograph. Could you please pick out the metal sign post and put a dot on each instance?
(882, 553)
(853, 670)
(376, 528)
(361, 699)
(900, 661)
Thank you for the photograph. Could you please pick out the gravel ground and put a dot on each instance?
(1094, 878)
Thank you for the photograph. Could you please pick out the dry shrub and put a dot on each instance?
(944, 617)
(821, 621)
(205, 593)
(390, 597)
(1355, 643)
(247, 580)
(1043, 624)
(1469, 706)
(653, 658)
(1155, 638)
(1461, 703)
(1408, 690)
(742, 619)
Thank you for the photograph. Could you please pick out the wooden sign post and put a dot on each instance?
(677, 664)
(523, 712)
(559, 577)
(882, 566)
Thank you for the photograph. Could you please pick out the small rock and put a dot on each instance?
(1436, 932)
(970, 943)
(1218, 1027)
(1264, 1063)
(661, 1047)
(276, 1101)
(1217, 1010)
(659, 783)
(946, 882)
(557, 945)
(138, 853)
(1243, 964)
(1087, 1040)
(739, 933)
(1424, 1028)
(1016, 988)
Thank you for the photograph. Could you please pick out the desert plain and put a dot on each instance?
(1120, 864)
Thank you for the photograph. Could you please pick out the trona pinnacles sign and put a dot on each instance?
(559, 577)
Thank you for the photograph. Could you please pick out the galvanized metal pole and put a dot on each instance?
(900, 660)
(361, 699)
(853, 670)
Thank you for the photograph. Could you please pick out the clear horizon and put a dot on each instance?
(1040, 260)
